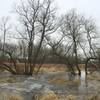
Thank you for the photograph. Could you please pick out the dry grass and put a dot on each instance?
(63, 81)
(46, 95)
(58, 80)
(75, 97)
(53, 68)
(46, 67)
(7, 79)
(93, 97)
(94, 76)
(15, 98)
(57, 68)
(7, 96)
(70, 97)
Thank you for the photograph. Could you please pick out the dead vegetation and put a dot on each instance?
(63, 81)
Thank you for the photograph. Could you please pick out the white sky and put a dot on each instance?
(87, 7)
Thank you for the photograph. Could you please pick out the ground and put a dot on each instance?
(57, 82)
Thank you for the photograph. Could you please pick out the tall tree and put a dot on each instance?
(38, 19)
(91, 39)
(4, 28)
(72, 30)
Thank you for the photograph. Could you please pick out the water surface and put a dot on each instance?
(59, 82)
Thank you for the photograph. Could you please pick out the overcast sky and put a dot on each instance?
(86, 7)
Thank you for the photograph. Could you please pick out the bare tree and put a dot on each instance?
(10, 63)
(8, 50)
(90, 29)
(22, 49)
(91, 36)
(4, 28)
(38, 19)
(63, 53)
(72, 30)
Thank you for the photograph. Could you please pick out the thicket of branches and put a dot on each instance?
(42, 37)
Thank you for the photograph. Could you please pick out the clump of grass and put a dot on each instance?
(15, 98)
(45, 95)
(93, 97)
(63, 81)
(53, 68)
(67, 97)
(7, 80)
(94, 76)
